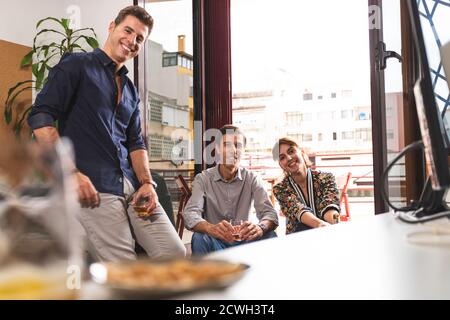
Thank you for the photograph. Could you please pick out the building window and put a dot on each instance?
(320, 136)
(348, 135)
(155, 146)
(334, 136)
(333, 95)
(155, 110)
(364, 134)
(307, 137)
(347, 114)
(307, 96)
(169, 59)
(364, 116)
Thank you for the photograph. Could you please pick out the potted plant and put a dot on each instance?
(42, 57)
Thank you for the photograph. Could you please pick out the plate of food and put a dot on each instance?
(164, 279)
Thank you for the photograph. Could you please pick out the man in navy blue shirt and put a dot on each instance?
(97, 107)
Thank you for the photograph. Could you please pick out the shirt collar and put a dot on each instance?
(218, 176)
(106, 60)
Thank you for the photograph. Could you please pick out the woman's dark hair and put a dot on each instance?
(136, 11)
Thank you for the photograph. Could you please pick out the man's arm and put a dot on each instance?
(50, 104)
(87, 194)
(193, 211)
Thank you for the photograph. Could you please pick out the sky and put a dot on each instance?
(321, 43)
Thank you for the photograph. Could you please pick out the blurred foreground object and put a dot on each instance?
(39, 236)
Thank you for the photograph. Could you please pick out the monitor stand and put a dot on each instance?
(433, 206)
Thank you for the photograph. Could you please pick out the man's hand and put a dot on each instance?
(222, 231)
(87, 194)
(146, 191)
(250, 231)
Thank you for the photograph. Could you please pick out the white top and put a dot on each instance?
(370, 259)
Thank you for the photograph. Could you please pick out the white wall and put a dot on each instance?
(18, 18)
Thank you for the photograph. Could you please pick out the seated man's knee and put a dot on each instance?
(201, 243)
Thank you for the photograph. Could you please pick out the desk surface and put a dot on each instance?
(369, 259)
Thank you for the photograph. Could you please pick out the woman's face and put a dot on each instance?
(291, 159)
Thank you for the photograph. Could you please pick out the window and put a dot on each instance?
(347, 135)
(165, 65)
(307, 96)
(308, 137)
(155, 110)
(364, 134)
(306, 103)
(364, 116)
(347, 114)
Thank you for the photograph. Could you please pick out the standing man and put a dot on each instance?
(226, 192)
(97, 107)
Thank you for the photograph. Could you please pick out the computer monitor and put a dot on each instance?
(431, 124)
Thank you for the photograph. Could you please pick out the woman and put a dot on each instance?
(308, 198)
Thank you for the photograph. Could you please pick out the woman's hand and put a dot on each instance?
(331, 216)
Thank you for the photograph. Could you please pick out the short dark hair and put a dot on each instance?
(138, 12)
(230, 129)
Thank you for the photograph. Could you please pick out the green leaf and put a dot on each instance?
(53, 19)
(12, 89)
(11, 98)
(83, 29)
(12, 95)
(8, 115)
(19, 124)
(65, 23)
(27, 59)
(92, 42)
(40, 76)
(45, 31)
(34, 69)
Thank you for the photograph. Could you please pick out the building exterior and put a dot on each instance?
(170, 112)
(331, 125)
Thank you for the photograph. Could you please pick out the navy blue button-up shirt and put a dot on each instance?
(81, 93)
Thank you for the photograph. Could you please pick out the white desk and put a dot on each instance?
(368, 259)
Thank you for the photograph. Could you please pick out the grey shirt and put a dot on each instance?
(213, 199)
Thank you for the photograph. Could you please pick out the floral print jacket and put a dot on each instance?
(325, 194)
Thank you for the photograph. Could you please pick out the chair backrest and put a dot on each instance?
(185, 194)
(344, 198)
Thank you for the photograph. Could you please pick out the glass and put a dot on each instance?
(141, 207)
(273, 97)
(166, 91)
(237, 226)
(41, 256)
(394, 102)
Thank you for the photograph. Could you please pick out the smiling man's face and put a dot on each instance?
(125, 40)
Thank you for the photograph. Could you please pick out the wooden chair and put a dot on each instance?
(344, 198)
(185, 194)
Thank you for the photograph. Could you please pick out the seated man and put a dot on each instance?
(225, 192)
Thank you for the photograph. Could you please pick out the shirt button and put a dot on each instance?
(120, 179)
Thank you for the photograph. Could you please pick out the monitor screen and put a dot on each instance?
(434, 135)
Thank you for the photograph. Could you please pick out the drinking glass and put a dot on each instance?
(237, 226)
